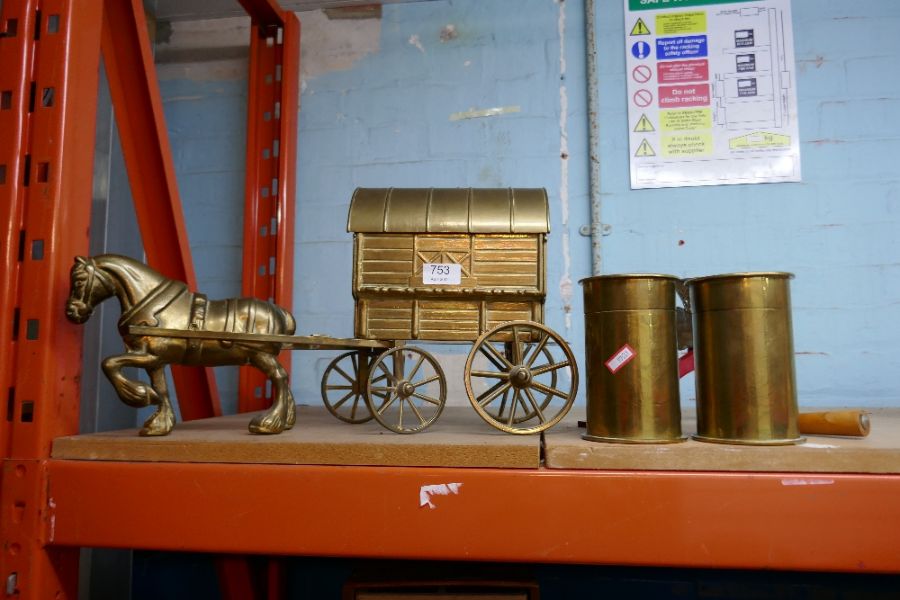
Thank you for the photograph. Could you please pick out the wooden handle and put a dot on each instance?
(835, 422)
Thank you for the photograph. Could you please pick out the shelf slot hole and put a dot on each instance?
(43, 172)
(271, 265)
(53, 24)
(37, 250)
(21, 245)
(48, 96)
(10, 404)
(265, 154)
(28, 411)
(12, 583)
(264, 192)
(15, 327)
(12, 28)
(32, 90)
(257, 392)
(32, 329)
(18, 512)
(6, 100)
(2, 174)
(263, 231)
(37, 25)
(26, 171)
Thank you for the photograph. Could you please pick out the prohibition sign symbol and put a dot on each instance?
(643, 98)
(642, 73)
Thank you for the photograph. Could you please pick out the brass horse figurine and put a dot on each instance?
(150, 299)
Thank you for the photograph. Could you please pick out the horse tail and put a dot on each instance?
(289, 323)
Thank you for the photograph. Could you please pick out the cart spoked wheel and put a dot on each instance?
(521, 377)
(500, 410)
(413, 386)
(344, 387)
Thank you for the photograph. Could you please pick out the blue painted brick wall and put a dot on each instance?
(837, 230)
(206, 124)
(385, 121)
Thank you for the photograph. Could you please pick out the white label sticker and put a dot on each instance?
(622, 357)
(441, 273)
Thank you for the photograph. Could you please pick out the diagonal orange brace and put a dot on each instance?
(148, 158)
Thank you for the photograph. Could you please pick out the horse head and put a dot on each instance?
(90, 286)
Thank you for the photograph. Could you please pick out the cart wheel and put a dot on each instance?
(413, 386)
(344, 387)
(526, 394)
(499, 411)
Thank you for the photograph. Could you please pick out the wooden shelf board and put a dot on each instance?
(877, 453)
(458, 439)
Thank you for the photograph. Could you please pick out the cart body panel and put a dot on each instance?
(495, 239)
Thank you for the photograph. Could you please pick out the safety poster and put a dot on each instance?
(712, 95)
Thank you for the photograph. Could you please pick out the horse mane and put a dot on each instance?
(129, 266)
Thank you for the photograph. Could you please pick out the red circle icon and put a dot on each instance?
(643, 98)
(642, 73)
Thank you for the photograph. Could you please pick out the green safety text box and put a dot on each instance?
(685, 120)
(687, 145)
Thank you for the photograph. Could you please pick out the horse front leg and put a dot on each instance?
(137, 393)
(282, 414)
(133, 393)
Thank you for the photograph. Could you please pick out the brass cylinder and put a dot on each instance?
(744, 359)
(632, 359)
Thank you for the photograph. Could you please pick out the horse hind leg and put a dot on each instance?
(163, 420)
(291, 418)
(281, 415)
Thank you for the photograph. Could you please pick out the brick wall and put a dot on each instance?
(377, 112)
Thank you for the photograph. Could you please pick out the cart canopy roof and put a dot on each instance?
(449, 210)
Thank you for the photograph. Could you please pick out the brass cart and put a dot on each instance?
(451, 265)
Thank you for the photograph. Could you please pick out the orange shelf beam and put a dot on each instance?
(719, 520)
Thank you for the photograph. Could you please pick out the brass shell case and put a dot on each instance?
(639, 402)
(744, 359)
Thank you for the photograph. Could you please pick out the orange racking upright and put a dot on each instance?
(49, 60)
(49, 52)
(268, 265)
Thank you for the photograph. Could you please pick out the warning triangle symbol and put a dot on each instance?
(640, 28)
(645, 149)
(644, 125)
